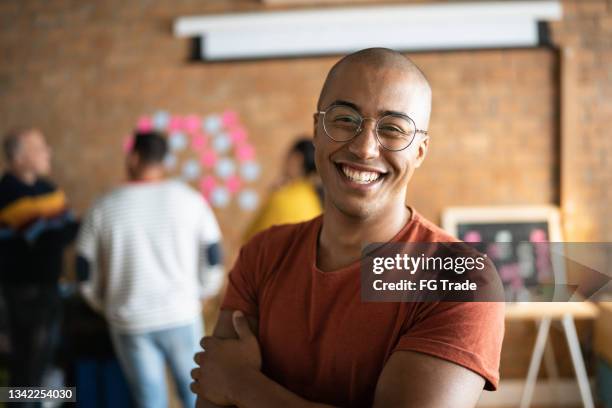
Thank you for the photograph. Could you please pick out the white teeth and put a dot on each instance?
(361, 177)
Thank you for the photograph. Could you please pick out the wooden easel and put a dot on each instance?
(545, 313)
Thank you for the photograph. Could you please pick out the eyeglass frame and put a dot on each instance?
(376, 122)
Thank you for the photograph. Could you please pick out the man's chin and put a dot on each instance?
(43, 173)
(357, 209)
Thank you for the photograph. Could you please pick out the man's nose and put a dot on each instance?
(365, 144)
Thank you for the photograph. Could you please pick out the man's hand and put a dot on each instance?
(225, 364)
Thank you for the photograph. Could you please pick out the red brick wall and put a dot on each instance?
(585, 36)
(493, 130)
(84, 71)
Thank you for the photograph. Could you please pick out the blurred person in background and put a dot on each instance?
(35, 227)
(297, 196)
(149, 253)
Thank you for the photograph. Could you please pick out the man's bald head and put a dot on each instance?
(13, 140)
(27, 152)
(385, 59)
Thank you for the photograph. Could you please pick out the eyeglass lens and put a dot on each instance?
(394, 132)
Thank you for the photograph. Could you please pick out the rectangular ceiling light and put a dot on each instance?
(340, 30)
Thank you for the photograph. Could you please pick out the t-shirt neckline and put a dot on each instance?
(414, 216)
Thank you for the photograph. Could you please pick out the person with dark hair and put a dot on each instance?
(148, 150)
(297, 196)
(293, 330)
(36, 225)
(149, 253)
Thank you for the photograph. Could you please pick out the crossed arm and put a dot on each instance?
(229, 373)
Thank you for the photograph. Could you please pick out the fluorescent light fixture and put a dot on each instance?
(340, 30)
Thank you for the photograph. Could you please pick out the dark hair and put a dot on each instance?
(11, 142)
(151, 147)
(305, 147)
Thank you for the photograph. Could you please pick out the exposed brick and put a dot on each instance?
(84, 71)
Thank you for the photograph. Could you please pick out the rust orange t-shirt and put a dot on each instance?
(319, 340)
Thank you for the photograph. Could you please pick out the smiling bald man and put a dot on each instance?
(293, 331)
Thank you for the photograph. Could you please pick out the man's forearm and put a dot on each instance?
(202, 403)
(250, 388)
(255, 390)
(259, 391)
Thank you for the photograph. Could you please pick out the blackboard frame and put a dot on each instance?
(453, 216)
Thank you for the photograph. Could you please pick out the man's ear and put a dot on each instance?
(133, 161)
(16, 161)
(422, 151)
(315, 124)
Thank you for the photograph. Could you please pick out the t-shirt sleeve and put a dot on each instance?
(209, 227)
(87, 239)
(211, 273)
(469, 334)
(242, 288)
(92, 288)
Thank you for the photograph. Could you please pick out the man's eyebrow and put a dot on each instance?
(390, 112)
(340, 102)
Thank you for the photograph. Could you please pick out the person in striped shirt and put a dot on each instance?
(36, 225)
(150, 252)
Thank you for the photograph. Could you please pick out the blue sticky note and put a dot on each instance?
(191, 170)
(219, 197)
(250, 171)
(248, 200)
(225, 168)
(177, 141)
(222, 143)
(211, 124)
(161, 120)
(170, 161)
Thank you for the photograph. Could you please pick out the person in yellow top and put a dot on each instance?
(296, 197)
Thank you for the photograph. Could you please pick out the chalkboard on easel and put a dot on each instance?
(516, 240)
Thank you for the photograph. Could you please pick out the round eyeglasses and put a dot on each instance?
(394, 132)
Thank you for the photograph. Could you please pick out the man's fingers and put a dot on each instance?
(195, 373)
(198, 357)
(194, 387)
(207, 342)
(241, 325)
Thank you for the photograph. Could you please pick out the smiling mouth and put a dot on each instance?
(359, 176)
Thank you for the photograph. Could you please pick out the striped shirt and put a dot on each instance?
(146, 244)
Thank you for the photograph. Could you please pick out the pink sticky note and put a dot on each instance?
(537, 235)
(207, 184)
(472, 236)
(192, 123)
(245, 152)
(509, 272)
(128, 143)
(144, 124)
(517, 283)
(198, 141)
(176, 123)
(493, 251)
(233, 184)
(238, 135)
(229, 118)
(208, 158)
